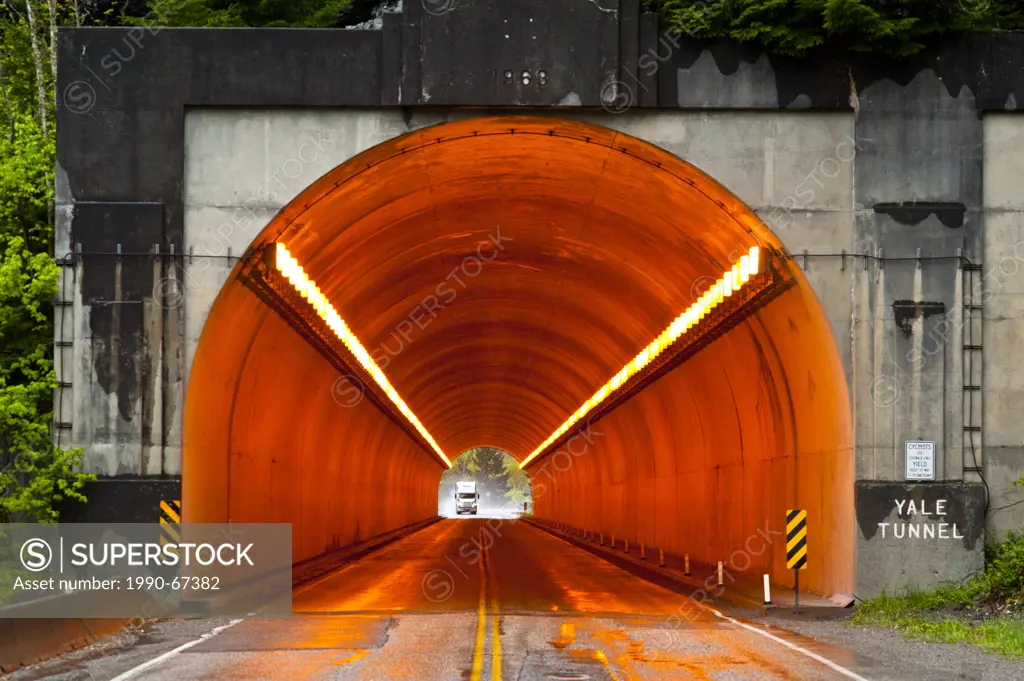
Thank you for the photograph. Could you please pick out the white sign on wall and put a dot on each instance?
(920, 460)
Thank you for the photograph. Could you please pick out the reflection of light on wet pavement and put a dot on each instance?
(563, 614)
(357, 655)
(379, 582)
(566, 635)
(628, 652)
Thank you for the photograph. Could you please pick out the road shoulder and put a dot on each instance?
(894, 652)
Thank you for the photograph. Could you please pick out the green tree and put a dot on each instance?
(491, 475)
(35, 476)
(793, 27)
(219, 13)
(518, 480)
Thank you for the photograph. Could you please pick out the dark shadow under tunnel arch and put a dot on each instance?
(522, 262)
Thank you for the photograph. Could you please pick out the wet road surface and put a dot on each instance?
(480, 600)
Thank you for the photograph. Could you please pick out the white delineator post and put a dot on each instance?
(767, 591)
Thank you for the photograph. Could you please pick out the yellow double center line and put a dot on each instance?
(486, 580)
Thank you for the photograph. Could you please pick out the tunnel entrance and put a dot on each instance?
(503, 487)
(498, 271)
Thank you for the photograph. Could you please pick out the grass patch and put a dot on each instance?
(1000, 634)
(985, 611)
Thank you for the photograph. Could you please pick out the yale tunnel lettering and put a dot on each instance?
(920, 529)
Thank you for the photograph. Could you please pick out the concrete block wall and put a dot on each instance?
(243, 167)
(1001, 290)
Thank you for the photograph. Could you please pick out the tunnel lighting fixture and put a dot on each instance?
(733, 281)
(292, 271)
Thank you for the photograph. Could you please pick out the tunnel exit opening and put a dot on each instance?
(484, 482)
(604, 241)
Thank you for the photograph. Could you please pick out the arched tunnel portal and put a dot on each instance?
(500, 270)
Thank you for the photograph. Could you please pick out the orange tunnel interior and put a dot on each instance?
(500, 270)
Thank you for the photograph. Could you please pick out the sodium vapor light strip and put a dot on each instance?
(732, 281)
(291, 270)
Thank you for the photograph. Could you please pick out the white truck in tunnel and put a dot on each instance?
(466, 498)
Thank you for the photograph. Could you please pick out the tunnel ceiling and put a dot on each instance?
(592, 242)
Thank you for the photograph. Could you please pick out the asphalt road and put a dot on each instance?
(472, 599)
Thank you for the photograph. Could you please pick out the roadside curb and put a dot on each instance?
(663, 576)
(307, 572)
(28, 641)
(313, 568)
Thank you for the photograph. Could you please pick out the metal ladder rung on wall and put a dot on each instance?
(973, 347)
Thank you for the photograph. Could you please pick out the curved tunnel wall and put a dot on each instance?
(272, 436)
(536, 257)
(708, 460)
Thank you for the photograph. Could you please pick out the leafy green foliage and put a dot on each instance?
(35, 476)
(40, 481)
(1003, 579)
(27, 283)
(221, 13)
(18, 74)
(794, 27)
(464, 466)
(518, 482)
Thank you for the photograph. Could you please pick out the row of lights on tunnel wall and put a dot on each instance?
(291, 270)
(730, 282)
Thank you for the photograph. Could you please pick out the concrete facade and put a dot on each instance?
(1002, 450)
(243, 167)
(889, 193)
(237, 163)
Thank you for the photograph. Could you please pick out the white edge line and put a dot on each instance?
(792, 646)
(814, 656)
(131, 673)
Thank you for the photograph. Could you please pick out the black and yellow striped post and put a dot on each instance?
(796, 548)
(170, 522)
